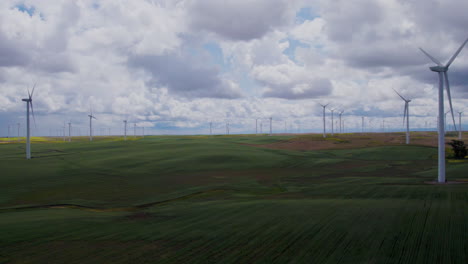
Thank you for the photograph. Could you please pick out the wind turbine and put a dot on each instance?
(18, 131)
(443, 76)
(459, 125)
(362, 124)
(28, 126)
(333, 132)
(64, 137)
(324, 106)
(91, 116)
(256, 126)
(405, 115)
(271, 120)
(125, 129)
(341, 126)
(69, 131)
(445, 122)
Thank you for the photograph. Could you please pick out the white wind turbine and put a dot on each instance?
(125, 129)
(442, 72)
(341, 124)
(91, 116)
(28, 126)
(324, 106)
(445, 121)
(69, 131)
(405, 115)
(18, 124)
(271, 121)
(332, 132)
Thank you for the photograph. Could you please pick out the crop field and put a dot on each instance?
(352, 198)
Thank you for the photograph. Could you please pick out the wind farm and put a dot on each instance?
(260, 132)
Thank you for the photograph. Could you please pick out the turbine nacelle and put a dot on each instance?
(439, 68)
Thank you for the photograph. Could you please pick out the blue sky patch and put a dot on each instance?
(304, 14)
(291, 50)
(23, 8)
(216, 53)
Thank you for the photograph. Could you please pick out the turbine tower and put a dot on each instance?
(256, 126)
(125, 129)
(69, 131)
(459, 126)
(28, 125)
(443, 76)
(271, 120)
(341, 124)
(362, 124)
(324, 106)
(211, 128)
(91, 116)
(64, 127)
(333, 132)
(405, 115)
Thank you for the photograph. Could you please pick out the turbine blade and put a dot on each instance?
(432, 58)
(399, 95)
(32, 112)
(404, 114)
(456, 53)
(407, 110)
(32, 92)
(450, 98)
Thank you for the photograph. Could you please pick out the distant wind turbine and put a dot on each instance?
(445, 122)
(69, 131)
(125, 129)
(341, 124)
(271, 120)
(405, 115)
(362, 124)
(91, 116)
(28, 126)
(324, 127)
(443, 76)
(256, 126)
(332, 132)
(18, 131)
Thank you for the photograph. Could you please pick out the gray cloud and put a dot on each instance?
(240, 19)
(315, 88)
(184, 76)
(11, 53)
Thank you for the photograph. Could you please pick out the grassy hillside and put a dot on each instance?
(222, 199)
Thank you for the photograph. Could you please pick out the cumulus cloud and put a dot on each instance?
(175, 64)
(186, 77)
(240, 19)
(290, 81)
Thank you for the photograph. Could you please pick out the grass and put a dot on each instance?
(221, 199)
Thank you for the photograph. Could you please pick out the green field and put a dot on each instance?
(201, 199)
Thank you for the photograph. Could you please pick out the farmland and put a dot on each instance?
(353, 198)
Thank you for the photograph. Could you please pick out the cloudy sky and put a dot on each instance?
(173, 66)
